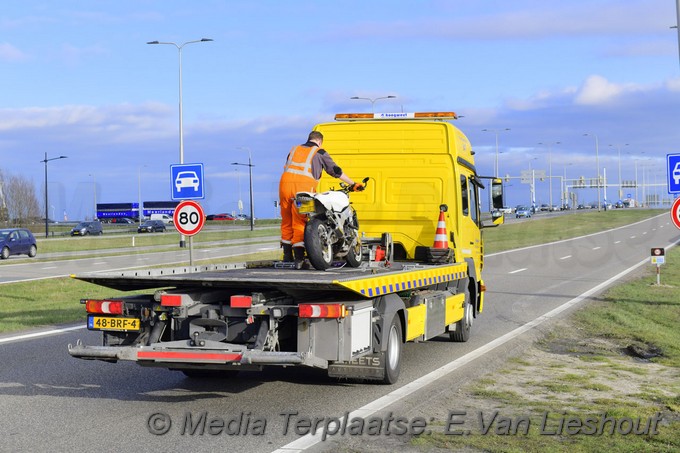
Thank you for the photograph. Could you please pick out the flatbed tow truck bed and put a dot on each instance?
(366, 282)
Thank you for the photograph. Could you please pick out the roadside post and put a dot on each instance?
(188, 220)
(658, 258)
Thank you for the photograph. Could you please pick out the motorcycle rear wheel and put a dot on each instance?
(318, 244)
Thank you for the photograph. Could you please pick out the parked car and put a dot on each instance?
(220, 217)
(122, 221)
(522, 211)
(17, 241)
(151, 226)
(87, 228)
(506, 210)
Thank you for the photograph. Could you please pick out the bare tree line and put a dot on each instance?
(18, 202)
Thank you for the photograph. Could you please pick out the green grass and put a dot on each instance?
(170, 239)
(539, 230)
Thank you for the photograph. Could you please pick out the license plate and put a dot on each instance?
(306, 206)
(107, 323)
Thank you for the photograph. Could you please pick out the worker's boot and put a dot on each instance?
(299, 254)
(287, 253)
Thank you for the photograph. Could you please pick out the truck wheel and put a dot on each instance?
(5, 253)
(354, 254)
(393, 352)
(463, 327)
(318, 244)
(32, 251)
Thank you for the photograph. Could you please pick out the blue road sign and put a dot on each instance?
(187, 182)
(673, 166)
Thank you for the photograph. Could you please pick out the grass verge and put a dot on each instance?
(541, 230)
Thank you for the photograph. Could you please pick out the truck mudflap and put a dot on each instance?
(177, 353)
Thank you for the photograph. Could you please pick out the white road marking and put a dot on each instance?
(28, 336)
(617, 242)
(597, 248)
(517, 270)
(100, 263)
(49, 267)
(566, 257)
(632, 237)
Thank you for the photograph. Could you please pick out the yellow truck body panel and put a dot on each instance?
(414, 166)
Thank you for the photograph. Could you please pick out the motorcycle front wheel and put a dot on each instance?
(318, 244)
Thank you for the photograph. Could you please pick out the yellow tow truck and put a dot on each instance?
(420, 277)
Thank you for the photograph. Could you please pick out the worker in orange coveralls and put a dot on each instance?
(301, 173)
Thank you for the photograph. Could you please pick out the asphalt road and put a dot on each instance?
(51, 401)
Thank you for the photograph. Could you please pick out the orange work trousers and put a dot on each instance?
(292, 223)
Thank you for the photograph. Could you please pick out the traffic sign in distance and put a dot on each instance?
(188, 218)
(675, 212)
(673, 169)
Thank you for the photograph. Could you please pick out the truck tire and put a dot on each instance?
(393, 352)
(5, 253)
(318, 244)
(33, 251)
(463, 327)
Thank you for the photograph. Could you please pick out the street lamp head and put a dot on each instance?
(391, 97)
(206, 39)
(153, 42)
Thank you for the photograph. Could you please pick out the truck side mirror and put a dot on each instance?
(497, 194)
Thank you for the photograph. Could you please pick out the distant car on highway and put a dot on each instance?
(186, 179)
(17, 241)
(220, 217)
(151, 226)
(87, 228)
(522, 211)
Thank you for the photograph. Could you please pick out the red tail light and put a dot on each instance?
(171, 300)
(109, 307)
(322, 311)
(241, 301)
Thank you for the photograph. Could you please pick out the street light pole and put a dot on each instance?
(372, 100)
(620, 182)
(250, 174)
(496, 131)
(47, 228)
(179, 50)
(179, 47)
(550, 170)
(94, 186)
(597, 161)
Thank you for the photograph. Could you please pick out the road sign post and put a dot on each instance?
(189, 219)
(658, 258)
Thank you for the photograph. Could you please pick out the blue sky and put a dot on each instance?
(80, 80)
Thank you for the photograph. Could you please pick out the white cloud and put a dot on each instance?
(598, 90)
(10, 53)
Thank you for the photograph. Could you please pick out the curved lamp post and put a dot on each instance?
(372, 100)
(47, 228)
(250, 173)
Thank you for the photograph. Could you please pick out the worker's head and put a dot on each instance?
(316, 137)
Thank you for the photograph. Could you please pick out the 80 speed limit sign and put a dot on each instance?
(188, 218)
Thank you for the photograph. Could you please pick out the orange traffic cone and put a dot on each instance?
(441, 240)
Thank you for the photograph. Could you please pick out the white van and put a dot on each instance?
(163, 217)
